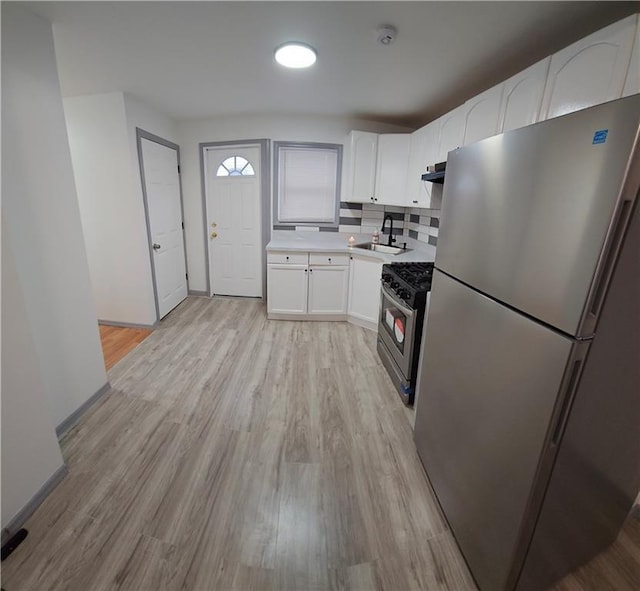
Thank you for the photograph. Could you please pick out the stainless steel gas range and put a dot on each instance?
(405, 288)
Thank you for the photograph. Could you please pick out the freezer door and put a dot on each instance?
(532, 217)
(490, 393)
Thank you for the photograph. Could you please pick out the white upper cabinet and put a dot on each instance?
(377, 167)
(482, 115)
(451, 132)
(391, 169)
(522, 97)
(632, 83)
(422, 152)
(589, 72)
(363, 150)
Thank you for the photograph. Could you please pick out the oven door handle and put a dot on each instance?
(408, 311)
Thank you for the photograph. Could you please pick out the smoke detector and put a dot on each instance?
(387, 34)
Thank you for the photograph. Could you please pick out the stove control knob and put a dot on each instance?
(394, 285)
(386, 278)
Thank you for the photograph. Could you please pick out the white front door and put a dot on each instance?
(162, 188)
(233, 220)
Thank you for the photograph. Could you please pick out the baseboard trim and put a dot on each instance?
(75, 416)
(305, 317)
(128, 324)
(36, 500)
(364, 323)
(196, 292)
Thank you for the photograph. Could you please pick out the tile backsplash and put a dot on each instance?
(365, 218)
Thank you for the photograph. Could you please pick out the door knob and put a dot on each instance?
(156, 246)
(214, 225)
(214, 234)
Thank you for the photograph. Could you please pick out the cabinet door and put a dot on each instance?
(287, 288)
(364, 289)
(522, 97)
(363, 149)
(589, 72)
(632, 83)
(422, 152)
(482, 115)
(391, 170)
(451, 132)
(328, 290)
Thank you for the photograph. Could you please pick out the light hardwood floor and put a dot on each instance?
(118, 341)
(239, 453)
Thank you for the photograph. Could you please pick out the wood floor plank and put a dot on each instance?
(238, 453)
(118, 341)
(301, 546)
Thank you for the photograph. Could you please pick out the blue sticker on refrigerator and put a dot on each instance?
(600, 136)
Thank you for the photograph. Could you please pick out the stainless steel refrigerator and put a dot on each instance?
(528, 415)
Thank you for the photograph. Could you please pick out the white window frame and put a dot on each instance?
(337, 148)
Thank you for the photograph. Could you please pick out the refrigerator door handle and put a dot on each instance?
(608, 262)
(567, 403)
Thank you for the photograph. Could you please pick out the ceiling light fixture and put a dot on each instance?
(295, 55)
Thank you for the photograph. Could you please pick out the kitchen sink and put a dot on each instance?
(382, 248)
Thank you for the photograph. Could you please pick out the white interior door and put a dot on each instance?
(233, 220)
(162, 188)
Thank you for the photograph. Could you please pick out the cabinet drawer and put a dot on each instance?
(288, 258)
(327, 258)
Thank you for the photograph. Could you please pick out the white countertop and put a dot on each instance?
(337, 242)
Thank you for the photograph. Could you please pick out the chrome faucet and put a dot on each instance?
(390, 218)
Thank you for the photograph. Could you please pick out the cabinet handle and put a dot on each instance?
(287, 258)
(310, 270)
(305, 270)
(329, 260)
(415, 201)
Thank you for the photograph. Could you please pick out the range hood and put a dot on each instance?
(435, 173)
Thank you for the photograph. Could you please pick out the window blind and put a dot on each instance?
(307, 184)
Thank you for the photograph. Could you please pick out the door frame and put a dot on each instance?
(142, 134)
(264, 145)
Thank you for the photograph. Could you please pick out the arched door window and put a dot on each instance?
(235, 166)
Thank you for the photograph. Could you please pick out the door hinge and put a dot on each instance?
(178, 169)
(182, 225)
(186, 275)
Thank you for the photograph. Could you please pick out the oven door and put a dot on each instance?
(396, 325)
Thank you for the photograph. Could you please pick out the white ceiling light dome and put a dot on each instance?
(294, 54)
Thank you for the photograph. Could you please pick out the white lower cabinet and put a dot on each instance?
(328, 290)
(307, 285)
(287, 289)
(323, 286)
(364, 290)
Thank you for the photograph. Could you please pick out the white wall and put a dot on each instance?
(40, 207)
(30, 452)
(102, 137)
(278, 128)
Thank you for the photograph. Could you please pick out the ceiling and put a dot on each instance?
(199, 59)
